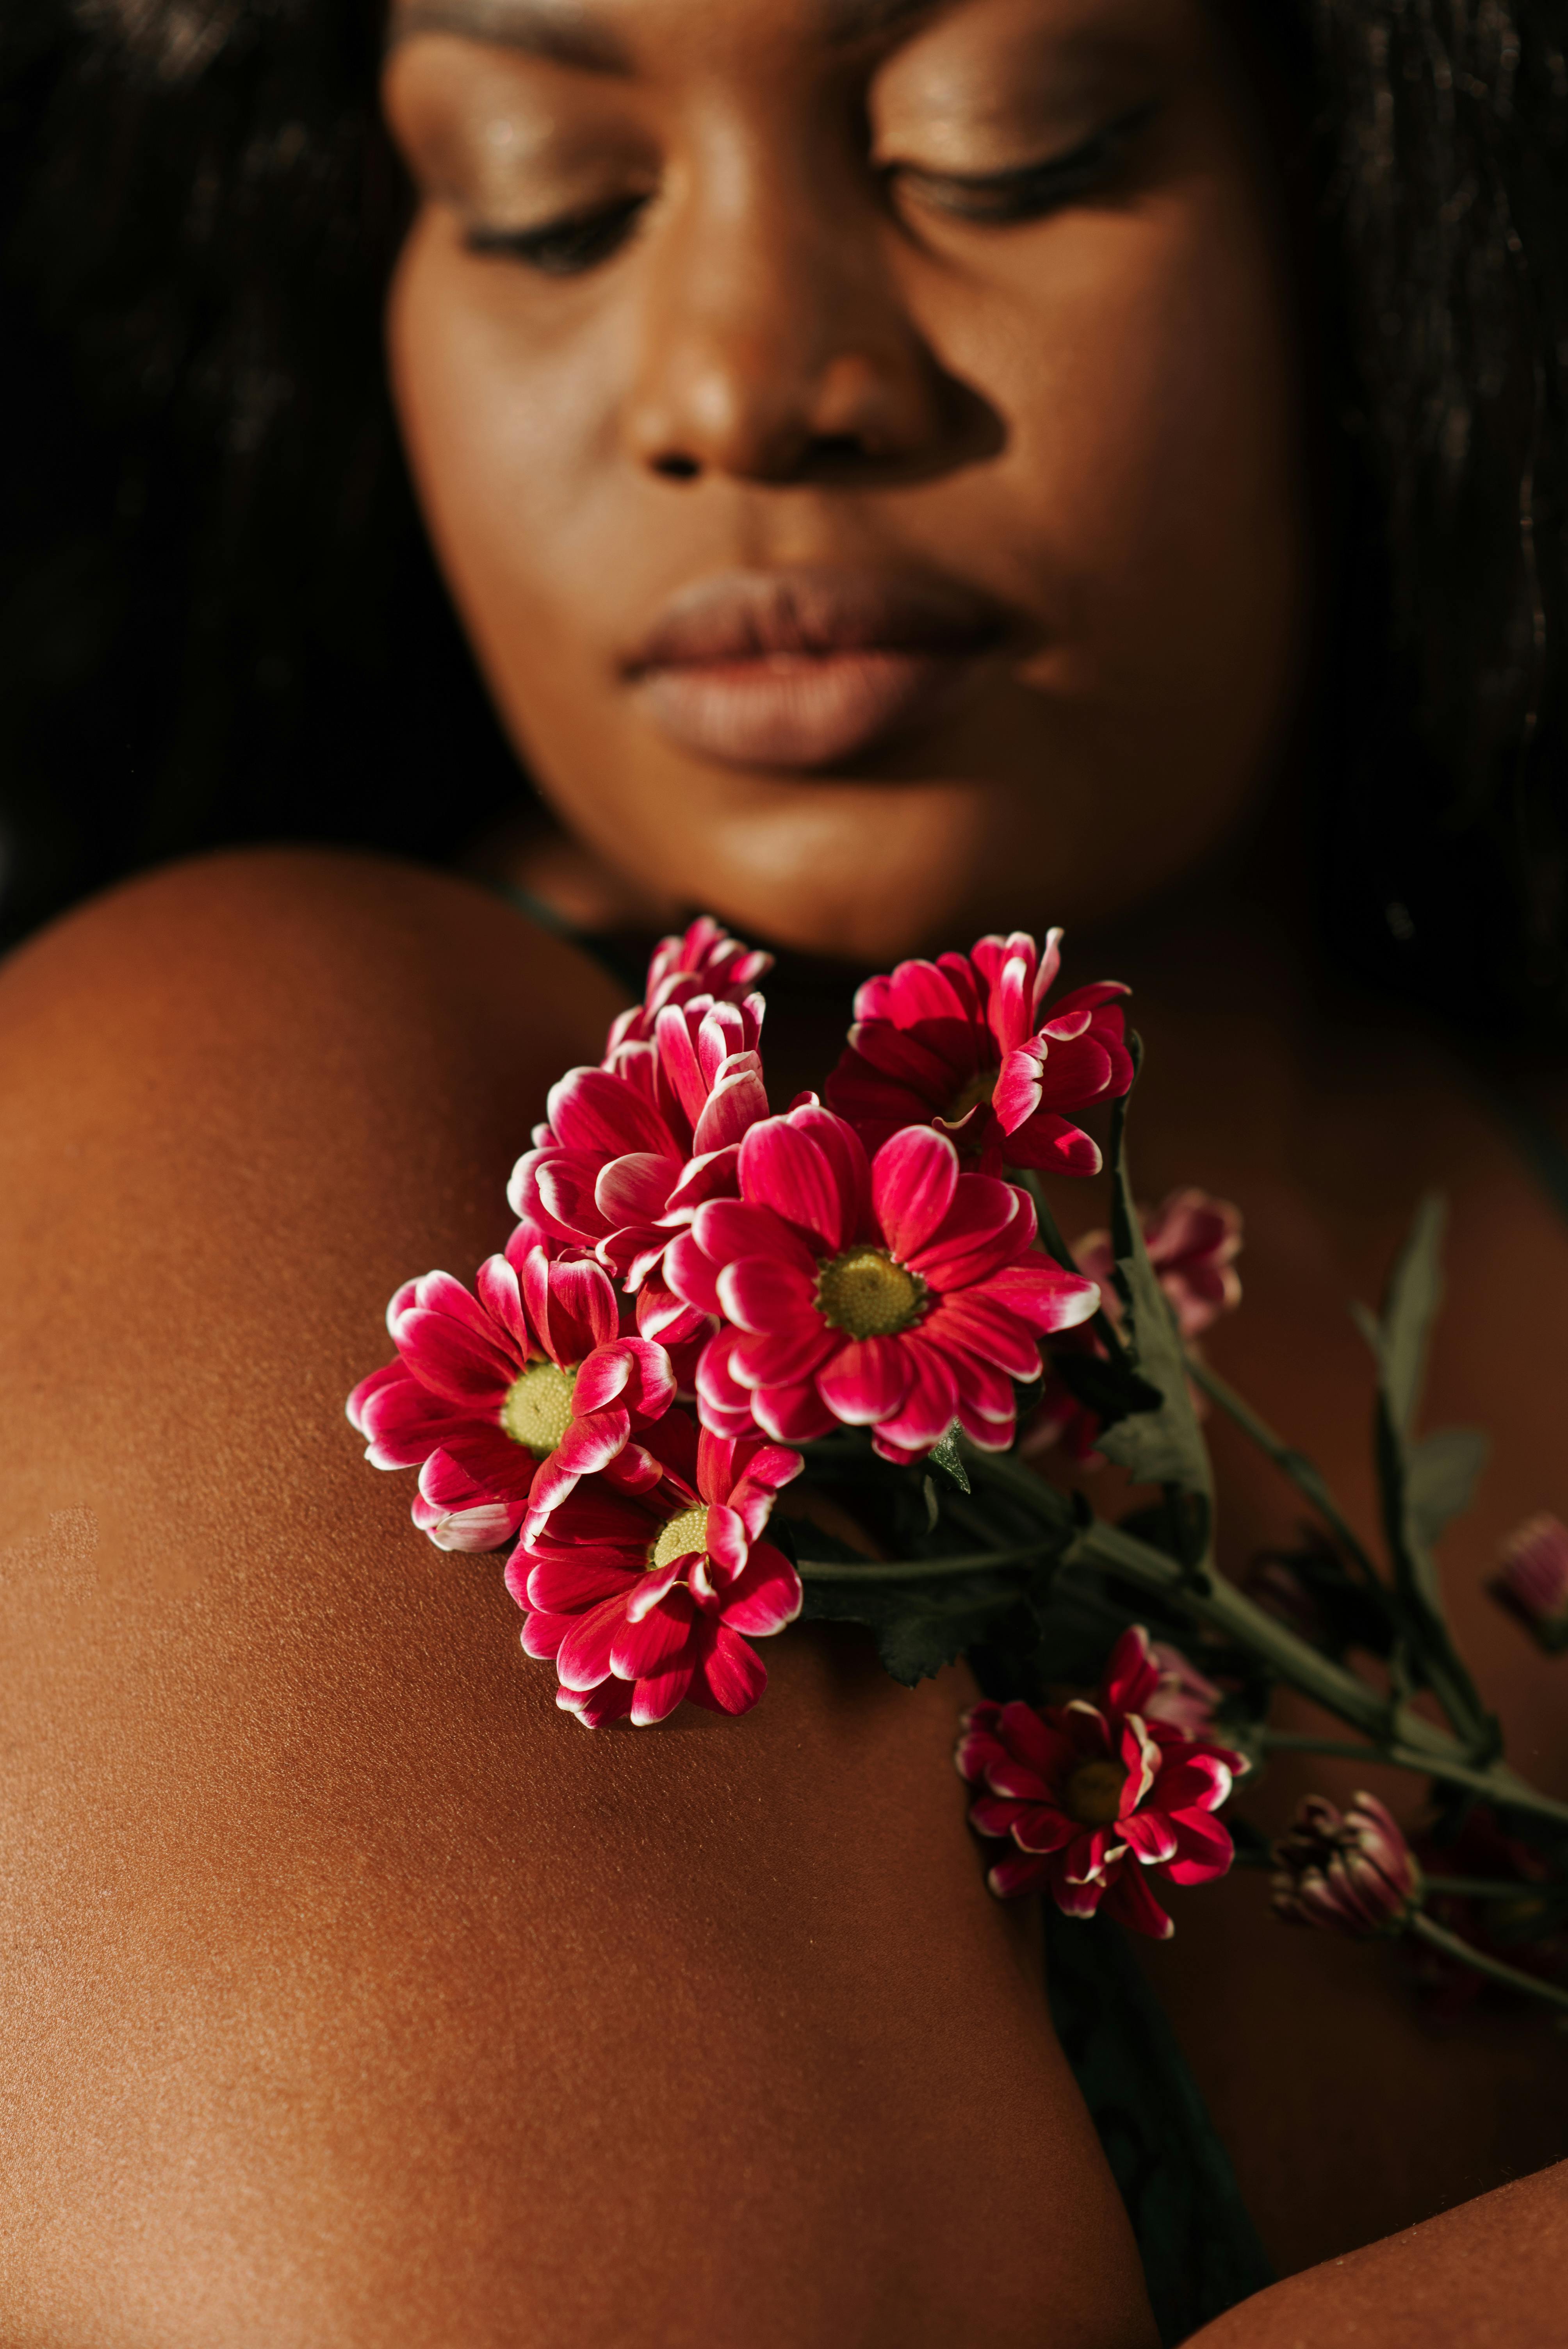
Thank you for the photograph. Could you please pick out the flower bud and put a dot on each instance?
(1353, 1874)
(1531, 1580)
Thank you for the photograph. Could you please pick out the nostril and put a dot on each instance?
(678, 469)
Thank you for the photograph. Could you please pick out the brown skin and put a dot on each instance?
(355, 1995)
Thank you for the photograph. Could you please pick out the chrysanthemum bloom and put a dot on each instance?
(1193, 1240)
(707, 962)
(1353, 1874)
(1094, 1798)
(961, 1042)
(1531, 1580)
(898, 1294)
(503, 1401)
(631, 1149)
(643, 1581)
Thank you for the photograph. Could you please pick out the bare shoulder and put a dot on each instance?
(348, 1991)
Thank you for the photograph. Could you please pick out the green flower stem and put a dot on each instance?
(1302, 1473)
(1437, 1937)
(1483, 1888)
(1223, 1607)
(919, 1570)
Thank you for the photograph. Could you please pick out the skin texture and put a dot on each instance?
(1086, 417)
(347, 1992)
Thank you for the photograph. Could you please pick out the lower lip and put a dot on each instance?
(798, 711)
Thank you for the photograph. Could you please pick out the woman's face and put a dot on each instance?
(860, 438)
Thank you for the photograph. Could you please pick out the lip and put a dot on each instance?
(805, 667)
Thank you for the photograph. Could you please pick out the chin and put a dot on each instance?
(865, 874)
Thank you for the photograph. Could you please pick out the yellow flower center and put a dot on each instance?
(1094, 1793)
(979, 1089)
(866, 1293)
(686, 1532)
(537, 1411)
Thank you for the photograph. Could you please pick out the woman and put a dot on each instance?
(897, 476)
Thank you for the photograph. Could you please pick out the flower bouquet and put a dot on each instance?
(866, 1300)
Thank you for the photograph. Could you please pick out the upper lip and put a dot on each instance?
(737, 616)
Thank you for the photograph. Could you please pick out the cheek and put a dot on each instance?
(511, 437)
(1149, 383)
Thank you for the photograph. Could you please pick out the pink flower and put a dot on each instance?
(1091, 1795)
(642, 1581)
(1193, 1241)
(707, 963)
(899, 1295)
(502, 1402)
(1184, 1696)
(959, 1042)
(1352, 1874)
(631, 1149)
(1531, 1580)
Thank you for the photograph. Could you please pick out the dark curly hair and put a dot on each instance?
(220, 619)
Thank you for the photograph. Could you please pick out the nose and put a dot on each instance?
(776, 344)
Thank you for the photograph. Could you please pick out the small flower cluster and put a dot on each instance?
(695, 1285)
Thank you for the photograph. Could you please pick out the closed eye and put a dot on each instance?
(1032, 190)
(566, 247)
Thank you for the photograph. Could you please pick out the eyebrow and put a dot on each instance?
(568, 36)
(565, 35)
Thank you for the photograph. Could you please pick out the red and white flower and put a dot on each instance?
(503, 1400)
(961, 1043)
(705, 962)
(646, 1583)
(898, 1295)
(631, 1150)
(1095, 1798)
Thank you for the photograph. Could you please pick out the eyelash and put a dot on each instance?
(1002, 197)
(568, 247)
(581, 242)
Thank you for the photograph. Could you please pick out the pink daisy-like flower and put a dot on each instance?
(503, 1400)
(646, 1583)
(1193, 1240)
(1096, 1797)
(631, 1150)
(707, 962)
(1350, 1873)
(961, 1043)
(899, 1295)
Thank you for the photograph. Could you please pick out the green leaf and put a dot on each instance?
(1424, 1485)
(1400, 1341)
(1107, 1389)
(918, 1626)
(1441, 1475)
(946, 1454)
(1163, 1446)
